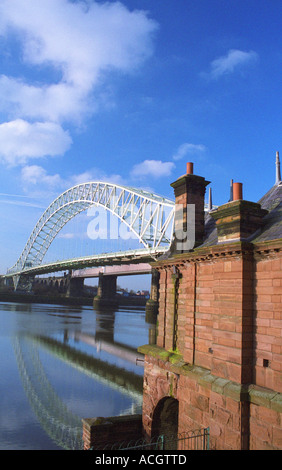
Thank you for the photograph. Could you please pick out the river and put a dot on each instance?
(60, 364)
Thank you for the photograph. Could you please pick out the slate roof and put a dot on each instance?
(272, 201)
(210, 231)
(272, 222)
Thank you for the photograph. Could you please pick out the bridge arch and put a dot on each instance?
(149, 216)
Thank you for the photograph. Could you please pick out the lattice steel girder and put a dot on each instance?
(149, 216)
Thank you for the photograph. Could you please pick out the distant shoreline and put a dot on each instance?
(57, 299)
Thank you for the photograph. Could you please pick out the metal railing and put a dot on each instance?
(190, 440)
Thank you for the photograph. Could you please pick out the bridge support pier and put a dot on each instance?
(152, 306)
(23, 283)
(106, 295)
(75, 287)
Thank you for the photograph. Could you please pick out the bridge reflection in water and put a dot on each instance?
(98, 356)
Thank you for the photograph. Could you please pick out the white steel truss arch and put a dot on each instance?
(149, 216)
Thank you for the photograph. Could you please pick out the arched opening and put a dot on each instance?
(165, 421)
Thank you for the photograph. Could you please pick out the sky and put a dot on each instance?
(128, 92)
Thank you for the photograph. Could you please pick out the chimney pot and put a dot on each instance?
(190, 168)
(237, 191)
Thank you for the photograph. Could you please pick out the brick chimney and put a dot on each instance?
(190, 189)
(239, 219)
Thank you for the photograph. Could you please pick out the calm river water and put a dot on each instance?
(60, 364)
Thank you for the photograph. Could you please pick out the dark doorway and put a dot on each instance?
(165, 421)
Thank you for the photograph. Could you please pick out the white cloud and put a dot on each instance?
(188, 149)
(95, 175)
(231, 61)
(154, 168)
(37, 181)
(57, 102)
(82, 42)
(20, 141)
(78, 40)
(36, 175)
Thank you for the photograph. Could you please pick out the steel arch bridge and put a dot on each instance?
(149, 216)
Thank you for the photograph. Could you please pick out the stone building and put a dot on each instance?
(217, 361)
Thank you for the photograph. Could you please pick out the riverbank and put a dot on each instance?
(62, 300)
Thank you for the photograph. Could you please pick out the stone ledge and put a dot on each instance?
(154, 351)
(266, 398)
(238, 392)
(276, 403)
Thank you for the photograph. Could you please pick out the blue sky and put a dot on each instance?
(129, 92)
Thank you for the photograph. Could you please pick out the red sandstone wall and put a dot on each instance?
(228, 315)
(268, 323)
(265, 428)
(229, 322)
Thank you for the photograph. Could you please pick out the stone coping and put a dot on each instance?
(223, 249)
(238, 392)
(233, 208)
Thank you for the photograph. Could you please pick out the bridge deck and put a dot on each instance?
(119, 270)
(104, 259)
